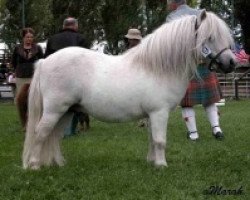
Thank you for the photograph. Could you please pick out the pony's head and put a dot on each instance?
(214, 41)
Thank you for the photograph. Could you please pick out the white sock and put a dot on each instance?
(213, 117)
(188, 115)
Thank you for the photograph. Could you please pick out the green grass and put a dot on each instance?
(108, 162)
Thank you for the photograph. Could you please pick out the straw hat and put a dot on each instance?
(134, 33)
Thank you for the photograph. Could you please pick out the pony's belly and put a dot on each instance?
(116, 118)
(115, 113)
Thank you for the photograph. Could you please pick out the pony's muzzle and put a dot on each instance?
(232, 65)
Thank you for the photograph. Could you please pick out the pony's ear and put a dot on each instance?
(200, 17)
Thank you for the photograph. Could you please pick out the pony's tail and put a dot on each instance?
(34, 114)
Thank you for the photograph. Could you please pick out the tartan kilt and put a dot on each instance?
(204, 90)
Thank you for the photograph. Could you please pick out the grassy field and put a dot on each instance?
(108, 162)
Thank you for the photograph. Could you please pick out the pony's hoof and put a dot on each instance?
(34, 166)
(160, 164)
(150, 159)
(25, 166)
(60, 163)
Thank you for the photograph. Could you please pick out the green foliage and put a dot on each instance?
(99, 20)
(192, 3)
(109, 161)
(156, 12)
(242, 12)
(213, 5)
(37, 16)
(145, 15)
(117, 17)
(238, 12)
(10, 17)
(87, 12)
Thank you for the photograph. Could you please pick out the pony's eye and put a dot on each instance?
(210, 39)
(232, 47)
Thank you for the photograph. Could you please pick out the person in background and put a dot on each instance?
(69, 37)
(133, 37)
(23, 58)
(204, 90)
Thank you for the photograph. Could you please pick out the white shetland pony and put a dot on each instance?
(146, 81)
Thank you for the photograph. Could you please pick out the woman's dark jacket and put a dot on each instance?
(23, 60)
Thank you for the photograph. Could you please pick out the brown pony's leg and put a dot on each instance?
(87, 121)
(22, 103)
(84, 120)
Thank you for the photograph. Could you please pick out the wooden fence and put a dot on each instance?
(237, 84)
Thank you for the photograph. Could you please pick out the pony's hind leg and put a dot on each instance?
(40, 153)
(157, 138)
(57, 134)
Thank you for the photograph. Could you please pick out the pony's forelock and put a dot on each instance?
(216, 29)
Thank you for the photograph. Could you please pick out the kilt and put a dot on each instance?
(204, 90)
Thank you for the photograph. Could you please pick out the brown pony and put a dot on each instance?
(83, 119)
(22, 103)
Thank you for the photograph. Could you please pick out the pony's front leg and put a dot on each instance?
(151, 154)
(157, 137)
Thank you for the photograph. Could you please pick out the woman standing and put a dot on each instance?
(24, 57)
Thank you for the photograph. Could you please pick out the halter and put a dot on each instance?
(214, 59)
(207, 53)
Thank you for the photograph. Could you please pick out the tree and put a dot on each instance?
(145, 15)
(117, 17)
(34, 13)
(155, 12)
(9, 16)
(98, 20)
(233, 12)
(242, 12)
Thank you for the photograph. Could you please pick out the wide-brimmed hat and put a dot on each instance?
(134, 33)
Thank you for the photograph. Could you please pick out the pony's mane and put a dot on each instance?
(175, 47)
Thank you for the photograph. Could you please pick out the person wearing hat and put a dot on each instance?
(204, 90)
(133, 37)
(68, 37)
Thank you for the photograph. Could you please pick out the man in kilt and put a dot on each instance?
(203, 90)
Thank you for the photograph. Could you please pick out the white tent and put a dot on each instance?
(3, 48)
(43, 45)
